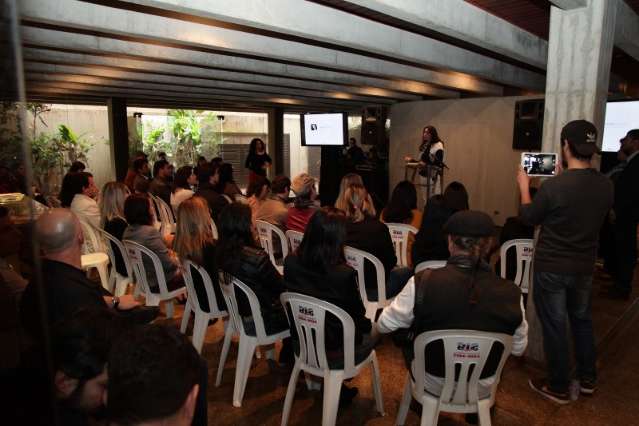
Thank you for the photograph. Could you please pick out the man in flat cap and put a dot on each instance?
(464, 295)
(570, 208)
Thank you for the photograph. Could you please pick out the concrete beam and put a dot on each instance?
(236, 45)
(150, 57)
(461, 20)
(627, 29)
(569, 4)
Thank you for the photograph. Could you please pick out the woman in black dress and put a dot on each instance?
(257, 160)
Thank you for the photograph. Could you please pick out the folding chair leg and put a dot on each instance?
(228, 334)
(405, 404)
(430, 411)
(121, 285)
(243, 367)
(377, 385)
(483, 411)
(104, 275)
(185, 318)
(290, 393)
(169, 309)
(199, 331)
(332, 388)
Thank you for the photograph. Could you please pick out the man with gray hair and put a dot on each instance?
(65, 286)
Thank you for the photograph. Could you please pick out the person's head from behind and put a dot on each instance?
(141, 166)
(470, 233)
(456, 197)
(281, 186)
(257, 146)
(352, 142)
(162, 156)
(153, 378)
(225, 174)
(402, 202)
(59, 234)
(161, 169)
(201, 160)
(578, 141)
(217, 162)
(358, 203)
(323, 242)
(77, 166)
(347, 181)
(207, 175)
(259, 188)
(184, 178)
(77, 183)
(235, 231)
(303, 185)
(138, 210)
(112, 200)
(80, 349)
(630, 143)
(193, 229)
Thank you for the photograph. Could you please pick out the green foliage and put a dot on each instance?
(75, 147)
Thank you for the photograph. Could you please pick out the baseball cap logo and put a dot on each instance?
(591, 137)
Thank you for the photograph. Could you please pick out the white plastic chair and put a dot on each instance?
(463, 350)
(95, 254)
(356, 258)
(136, 251)
(294, 239)
(430, 264)
(265, 231)
(214, 230)
(167, 221)
(193, 305)
(117, 283)
(524, 249)
(309, 315)
(399, 233)
(248, 344)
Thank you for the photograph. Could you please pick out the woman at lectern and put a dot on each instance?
(257, 160)
(431, 155)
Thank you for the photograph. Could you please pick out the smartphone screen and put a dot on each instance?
(539, 163)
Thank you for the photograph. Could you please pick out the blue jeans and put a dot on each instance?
(559, 298)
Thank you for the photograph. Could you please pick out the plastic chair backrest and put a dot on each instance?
(465, 351)
(92, 241)
(167, 218)
(114, 242)
(430, 264)
(214, 230)
(227, 198)
(136, 252)
(524, 248)
(356, 258)
(229, 284)
(399, 233)
(265, 231)
(309, 316)
(191, 268)
(294, 239)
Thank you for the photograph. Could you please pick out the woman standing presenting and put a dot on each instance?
(431, 159)
(257, 160)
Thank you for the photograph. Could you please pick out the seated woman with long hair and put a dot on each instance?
(318, 269)
(257, 192)
(238, 254)
(112, 211)
(183, 184)
(226, 183)
(138, 212)
(194, 241)
(402, 207)
(365, 232)
(349, 180)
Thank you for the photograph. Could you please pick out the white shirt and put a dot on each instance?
(86, 209)
(180, 194)
(399, 314)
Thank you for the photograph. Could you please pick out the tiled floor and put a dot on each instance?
(615, 403)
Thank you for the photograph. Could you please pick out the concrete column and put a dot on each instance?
(579, 57)
(118, 136)
(276, 140)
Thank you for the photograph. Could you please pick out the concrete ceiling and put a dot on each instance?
(327, 55)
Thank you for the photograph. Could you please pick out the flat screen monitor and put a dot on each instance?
(620, 117)
(324, 129)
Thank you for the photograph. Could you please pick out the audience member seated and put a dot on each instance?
(208, 178)
(112, 212)
(239, 255)
(274, 209)
(430, 242)
(194, 241)
(464, 295)
(78, 193)
(402, 207)
(318, 269)
(303, 208)
(349, 180)
(160, 186)
(257, 192)
(139, 175)
(226, 184)
(138, 212)
(154, 376)
(365, 232)
(67, 287)
(184, 181)
(131, 172)
(77, 166)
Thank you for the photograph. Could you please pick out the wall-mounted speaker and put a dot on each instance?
(529, 124)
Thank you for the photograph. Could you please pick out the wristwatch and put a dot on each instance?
(115, 302)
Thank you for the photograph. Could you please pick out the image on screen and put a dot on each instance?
(620, 117)
(539, 164)
(323, 129)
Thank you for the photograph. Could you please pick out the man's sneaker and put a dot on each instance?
(587, 387)
(540, 386)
